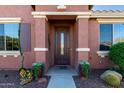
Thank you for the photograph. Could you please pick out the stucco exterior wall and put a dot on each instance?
(86, 35)
(14, 63)
(82, 38)
(94, 59)
(70, 8)
(24, 12)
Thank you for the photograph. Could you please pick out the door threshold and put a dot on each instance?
(62, 65)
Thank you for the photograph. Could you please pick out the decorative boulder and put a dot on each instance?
(114, 72)
(112, 78)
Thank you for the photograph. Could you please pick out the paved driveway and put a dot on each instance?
(61, 77)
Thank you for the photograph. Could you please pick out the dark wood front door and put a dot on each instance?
(62, 46)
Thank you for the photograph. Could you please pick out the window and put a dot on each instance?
(2, 41)
(110, 34)
(118, 33)
(105, 36)
(9, 40)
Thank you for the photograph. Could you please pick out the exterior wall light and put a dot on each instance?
(61, 7)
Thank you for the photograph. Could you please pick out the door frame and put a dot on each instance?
(68, 28)
(69, 24)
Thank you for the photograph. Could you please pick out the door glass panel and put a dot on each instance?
(62, 43)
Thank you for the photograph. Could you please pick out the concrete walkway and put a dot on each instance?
(61, 77)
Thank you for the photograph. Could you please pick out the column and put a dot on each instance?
(40, 39)
(82, 38)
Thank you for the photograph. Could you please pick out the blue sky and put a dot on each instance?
(108, 7)
(9, 30)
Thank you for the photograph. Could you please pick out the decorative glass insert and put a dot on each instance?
(62, 43)
(9, 40)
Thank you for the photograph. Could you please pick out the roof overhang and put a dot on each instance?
(107, 14)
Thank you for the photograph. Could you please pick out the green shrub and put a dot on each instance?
(116, 54)
(112, 78)
(38, 69)
(84, 68)
(26, 76)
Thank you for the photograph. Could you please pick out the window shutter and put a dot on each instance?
(25, 36)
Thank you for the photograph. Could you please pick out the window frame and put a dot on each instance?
(113, 30)
(99, 36)
(6, 52)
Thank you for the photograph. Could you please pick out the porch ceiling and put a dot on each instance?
(59, 17)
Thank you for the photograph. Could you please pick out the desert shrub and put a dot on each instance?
(116, 54)
(38, 70)
(84, 68)
(112, 78)
(25, 76)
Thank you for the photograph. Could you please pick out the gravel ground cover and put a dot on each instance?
(10, 79)
(93, 81)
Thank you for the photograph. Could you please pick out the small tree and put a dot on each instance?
(116, 54)
(21, 51)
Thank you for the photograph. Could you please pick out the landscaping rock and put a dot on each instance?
(110, 71)
(112, 78)
(42, 80)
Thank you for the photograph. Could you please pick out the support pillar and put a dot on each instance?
(82, 36)
(40, 48)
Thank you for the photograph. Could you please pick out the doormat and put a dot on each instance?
(63, 67)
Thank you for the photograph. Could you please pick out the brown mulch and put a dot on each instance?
(10, 79)
(93, 81)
